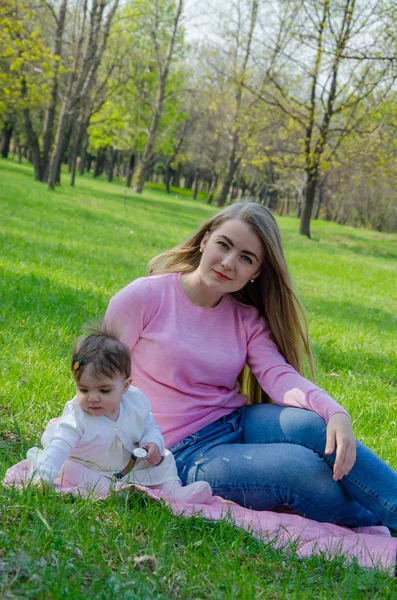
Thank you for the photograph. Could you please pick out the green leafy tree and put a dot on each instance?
(28, 69)
(125, 121)
(162, 22)
(325, 78)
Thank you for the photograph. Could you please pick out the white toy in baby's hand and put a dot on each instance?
(139, 453)
(198, 492)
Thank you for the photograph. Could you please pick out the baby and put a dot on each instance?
(106, 435)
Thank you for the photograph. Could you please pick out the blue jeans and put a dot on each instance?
(265, 456)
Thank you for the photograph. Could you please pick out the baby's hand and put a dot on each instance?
(154, 454)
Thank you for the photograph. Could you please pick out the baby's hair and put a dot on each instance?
(102, 349)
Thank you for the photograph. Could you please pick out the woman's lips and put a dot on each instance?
(222, 276)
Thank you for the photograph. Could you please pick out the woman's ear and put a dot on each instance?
(204, 240)
(255, 275)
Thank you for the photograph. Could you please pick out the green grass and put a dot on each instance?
(64, 254)
(176, 191)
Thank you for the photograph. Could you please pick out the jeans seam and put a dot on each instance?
(317, 507)
(371, 493)
(352, 480)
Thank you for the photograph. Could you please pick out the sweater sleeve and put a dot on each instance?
(127, 313)
(283, 384)
(151, 430)
(58, 440)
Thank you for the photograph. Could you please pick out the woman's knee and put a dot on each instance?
(268, 423)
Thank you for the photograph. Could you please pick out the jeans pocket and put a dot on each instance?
(234, 419)
(182, 445)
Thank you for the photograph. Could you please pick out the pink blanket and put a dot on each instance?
(370, 546)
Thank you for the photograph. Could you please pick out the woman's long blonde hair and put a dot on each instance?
(272, 292)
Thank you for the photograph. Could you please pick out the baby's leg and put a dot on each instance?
(198, 492)
(165, 477)
(79, 478)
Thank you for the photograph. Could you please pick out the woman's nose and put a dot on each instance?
(228, 261)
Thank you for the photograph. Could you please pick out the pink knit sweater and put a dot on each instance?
(186, 358)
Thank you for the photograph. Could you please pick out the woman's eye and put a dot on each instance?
(222, 244)
(246, 259)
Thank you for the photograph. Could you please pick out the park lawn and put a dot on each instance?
(64, 254)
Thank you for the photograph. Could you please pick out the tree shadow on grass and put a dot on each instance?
(361, 242)
(35, 303)
(24, 169)
(83, 260)
(186, 215)
(354, 314)
(360, 362)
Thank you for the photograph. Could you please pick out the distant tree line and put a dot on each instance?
(290, 102)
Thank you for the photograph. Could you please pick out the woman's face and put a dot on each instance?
(232, 256)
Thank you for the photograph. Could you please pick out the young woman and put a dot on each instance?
(220, 301)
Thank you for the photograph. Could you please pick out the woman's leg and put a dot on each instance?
(264, 476)
(371, 482)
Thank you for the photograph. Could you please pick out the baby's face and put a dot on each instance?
(99, 395)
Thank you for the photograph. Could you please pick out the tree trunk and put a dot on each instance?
(163, 69)
(33, 142)
(212, 187)
(147, 156)
(196, 185)
(48, 129)
(167, 176)
(83, 156)
(119, 163)
(130, 171)
(82, 77)
(176, 178)
(99, 162)
(304, 228)
(298, 201)
(189, 180)
(76, 148)
(33, 145)
(320, 197)
(89, 159)
(56, 156)
(111, 163)
(73, 164)
(272, 198)
(227, 182)
(233, 162)
(6, 138)
(73, 159)
(20, 150)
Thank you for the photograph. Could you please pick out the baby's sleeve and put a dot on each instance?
(151, 429)
(58, 441)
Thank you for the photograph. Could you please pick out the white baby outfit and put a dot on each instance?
(89, 450)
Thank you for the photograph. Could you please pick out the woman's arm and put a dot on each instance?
(281, 382)
(286, 387)
(129, 311)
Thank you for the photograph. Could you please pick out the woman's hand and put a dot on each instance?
(153, 453)
(340, 435)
